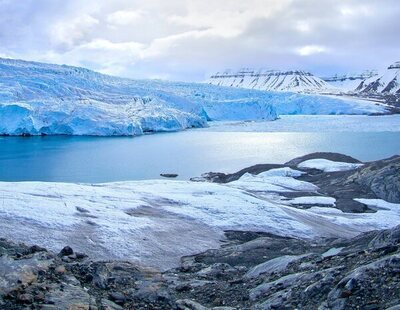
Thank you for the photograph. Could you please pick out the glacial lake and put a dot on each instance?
(188, 153)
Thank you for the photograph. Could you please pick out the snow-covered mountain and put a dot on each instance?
(294, 81)
(349, 82)
(386, 83)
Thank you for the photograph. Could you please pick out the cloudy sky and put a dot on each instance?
(190, 39)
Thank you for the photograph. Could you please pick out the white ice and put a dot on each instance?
(313, 123)
(378, 204)
(275, 180)
(313, 200)
(328, 165)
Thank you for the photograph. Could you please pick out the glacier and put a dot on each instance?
(48, 99)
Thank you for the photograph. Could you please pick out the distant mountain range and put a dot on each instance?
(367, 82)
(270, 80)
(349, 81)
(387, 83)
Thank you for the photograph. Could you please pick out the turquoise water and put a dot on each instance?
(190, 153)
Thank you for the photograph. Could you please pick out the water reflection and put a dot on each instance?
(86, 159)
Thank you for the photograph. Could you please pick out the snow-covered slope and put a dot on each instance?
(296, 81)
(158, 221)
(349, 82)
(386, 83)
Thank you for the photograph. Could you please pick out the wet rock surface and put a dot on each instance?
(251, 271)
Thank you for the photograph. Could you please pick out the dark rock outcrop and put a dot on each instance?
(382, 177)
(378, 179)
(252, 271)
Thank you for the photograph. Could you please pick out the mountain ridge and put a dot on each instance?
(349, 81)
(270, 80)
(386, 83)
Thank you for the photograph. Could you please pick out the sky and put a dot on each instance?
(192, 39)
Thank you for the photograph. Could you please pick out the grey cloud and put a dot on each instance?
(188, 39)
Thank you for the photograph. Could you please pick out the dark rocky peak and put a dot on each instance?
(396, 65)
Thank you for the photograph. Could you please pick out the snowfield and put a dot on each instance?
(155, 222)
(328, 165)
(45, 99)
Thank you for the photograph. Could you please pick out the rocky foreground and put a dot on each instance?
(251, 270)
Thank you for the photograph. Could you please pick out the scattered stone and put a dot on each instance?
(60, 269)
(68, 297)
(117, 297)
(187, 304)
(80, 255)
(251, 271)
(66, 251)
(35, 248)
(169, 175)
(277, 264)
(25, 298)
(109, 305)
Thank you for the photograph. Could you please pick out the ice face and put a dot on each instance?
(38, 98)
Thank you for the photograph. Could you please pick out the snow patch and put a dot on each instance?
(378, 204)
(275, 180)
(313, 200)
(281, 172)
(328, 165)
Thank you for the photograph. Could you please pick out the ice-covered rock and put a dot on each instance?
(328, 165)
